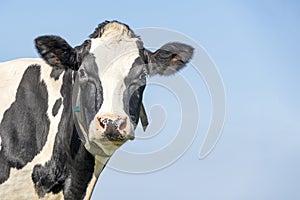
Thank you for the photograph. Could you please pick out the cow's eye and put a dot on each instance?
(144, 75)
(82, 73)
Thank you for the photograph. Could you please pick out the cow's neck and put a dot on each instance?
(100, 163)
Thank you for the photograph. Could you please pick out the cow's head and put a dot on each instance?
(111, 68)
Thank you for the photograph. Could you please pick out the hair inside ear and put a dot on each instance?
(170, 58)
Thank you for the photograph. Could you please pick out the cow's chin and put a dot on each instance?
(109, 146)
(109, 142)
(102, 147)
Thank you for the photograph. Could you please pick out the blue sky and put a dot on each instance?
(255, 46)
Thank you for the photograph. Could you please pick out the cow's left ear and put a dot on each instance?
(170, 58)
(57, 52)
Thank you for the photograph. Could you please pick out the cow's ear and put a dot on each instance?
(57, 52)
(170, 58)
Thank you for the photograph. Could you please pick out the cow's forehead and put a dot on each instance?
(115, 47)
(115, 53)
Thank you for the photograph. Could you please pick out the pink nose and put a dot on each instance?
(115, 125)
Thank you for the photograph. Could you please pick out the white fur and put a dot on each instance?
(116, 29)
(114, 57)
(20, 185)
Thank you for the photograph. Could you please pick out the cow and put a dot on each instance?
(62, 116)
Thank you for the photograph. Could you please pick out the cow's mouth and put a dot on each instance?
(114, 143)
(114, 138)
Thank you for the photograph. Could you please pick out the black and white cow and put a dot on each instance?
(63, 116)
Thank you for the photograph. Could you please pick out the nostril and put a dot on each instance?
(122, 124)
(101, 122)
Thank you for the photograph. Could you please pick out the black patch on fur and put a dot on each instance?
(135, 84)
(71, 166)
(56, 72)
(25, 125)
(56, 107)
(82, 51)
(89, 90)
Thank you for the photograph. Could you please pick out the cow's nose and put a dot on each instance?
(115, 124)
(112, 124)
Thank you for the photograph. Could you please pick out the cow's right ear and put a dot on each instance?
(57, 52)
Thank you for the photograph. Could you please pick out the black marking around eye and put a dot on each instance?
(90, 90)
(82, 73)
(135, 84)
